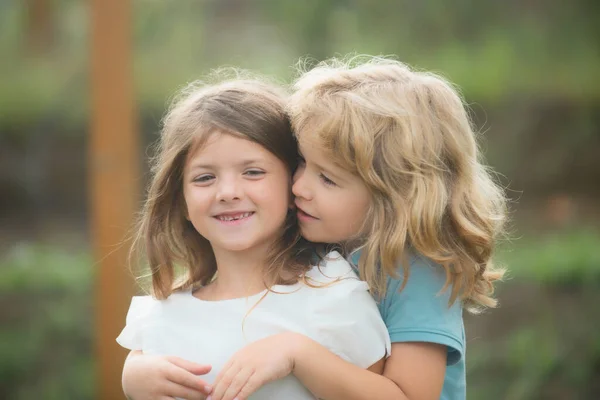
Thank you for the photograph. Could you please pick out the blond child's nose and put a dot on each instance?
(300, 188)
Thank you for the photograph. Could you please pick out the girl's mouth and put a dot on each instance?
(234, 218)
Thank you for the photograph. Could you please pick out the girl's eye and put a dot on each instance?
(254, 173)
(203, 178)
(326, 180)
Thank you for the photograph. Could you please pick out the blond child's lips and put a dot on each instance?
(304, 215)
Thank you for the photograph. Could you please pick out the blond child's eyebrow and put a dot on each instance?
(334, 174)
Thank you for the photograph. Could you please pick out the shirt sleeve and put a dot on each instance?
(346, 319)
(131, 336)
(421, 311)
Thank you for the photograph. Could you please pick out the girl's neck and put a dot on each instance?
(239, 274)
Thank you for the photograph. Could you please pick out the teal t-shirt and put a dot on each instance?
(420, 313)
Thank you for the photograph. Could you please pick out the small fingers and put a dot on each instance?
(229, 365)
(254, 383)
(194, 368)
(223, 381)
(175, 390)
(188, 380)
(239, 381)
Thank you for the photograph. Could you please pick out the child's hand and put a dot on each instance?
(255, 365)
(147, 377)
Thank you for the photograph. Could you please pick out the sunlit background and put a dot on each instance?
(528, 69)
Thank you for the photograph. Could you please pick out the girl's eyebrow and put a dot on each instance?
(243, 163)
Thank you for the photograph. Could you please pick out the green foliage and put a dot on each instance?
(45, 341)
(557, 259)
(542, 342)
(43, 269)
(493, 51)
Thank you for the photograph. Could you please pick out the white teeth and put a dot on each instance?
(230, 218)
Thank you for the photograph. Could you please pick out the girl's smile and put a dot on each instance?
(234, 218)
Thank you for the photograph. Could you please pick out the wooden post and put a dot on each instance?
(114, 179)
(39, 27)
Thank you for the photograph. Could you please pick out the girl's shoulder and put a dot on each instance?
(334, 276)
(334, 281)
(331, 269)
(143, 307)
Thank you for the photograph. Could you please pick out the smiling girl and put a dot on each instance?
(228, 266)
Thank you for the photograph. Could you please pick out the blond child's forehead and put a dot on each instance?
(316, 134)
(327, 149)
(321, 121)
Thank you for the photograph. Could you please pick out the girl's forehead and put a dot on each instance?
(224, 150)
(202, 139)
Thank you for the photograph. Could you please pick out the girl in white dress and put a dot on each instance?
(222, 243)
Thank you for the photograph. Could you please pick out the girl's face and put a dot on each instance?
(331, 203)
(237, 193)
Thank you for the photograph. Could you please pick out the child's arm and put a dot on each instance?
(157, 377)
(414, 371)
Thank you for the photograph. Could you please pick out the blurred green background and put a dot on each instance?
(528, 69)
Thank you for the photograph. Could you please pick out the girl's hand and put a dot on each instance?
(255, 365)
(147, 377)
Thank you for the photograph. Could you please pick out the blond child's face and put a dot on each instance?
(331, 203)
(237, 194)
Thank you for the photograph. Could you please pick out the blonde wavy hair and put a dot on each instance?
(239, 104)
(408, 136)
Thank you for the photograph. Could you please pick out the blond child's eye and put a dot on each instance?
(326, 180)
